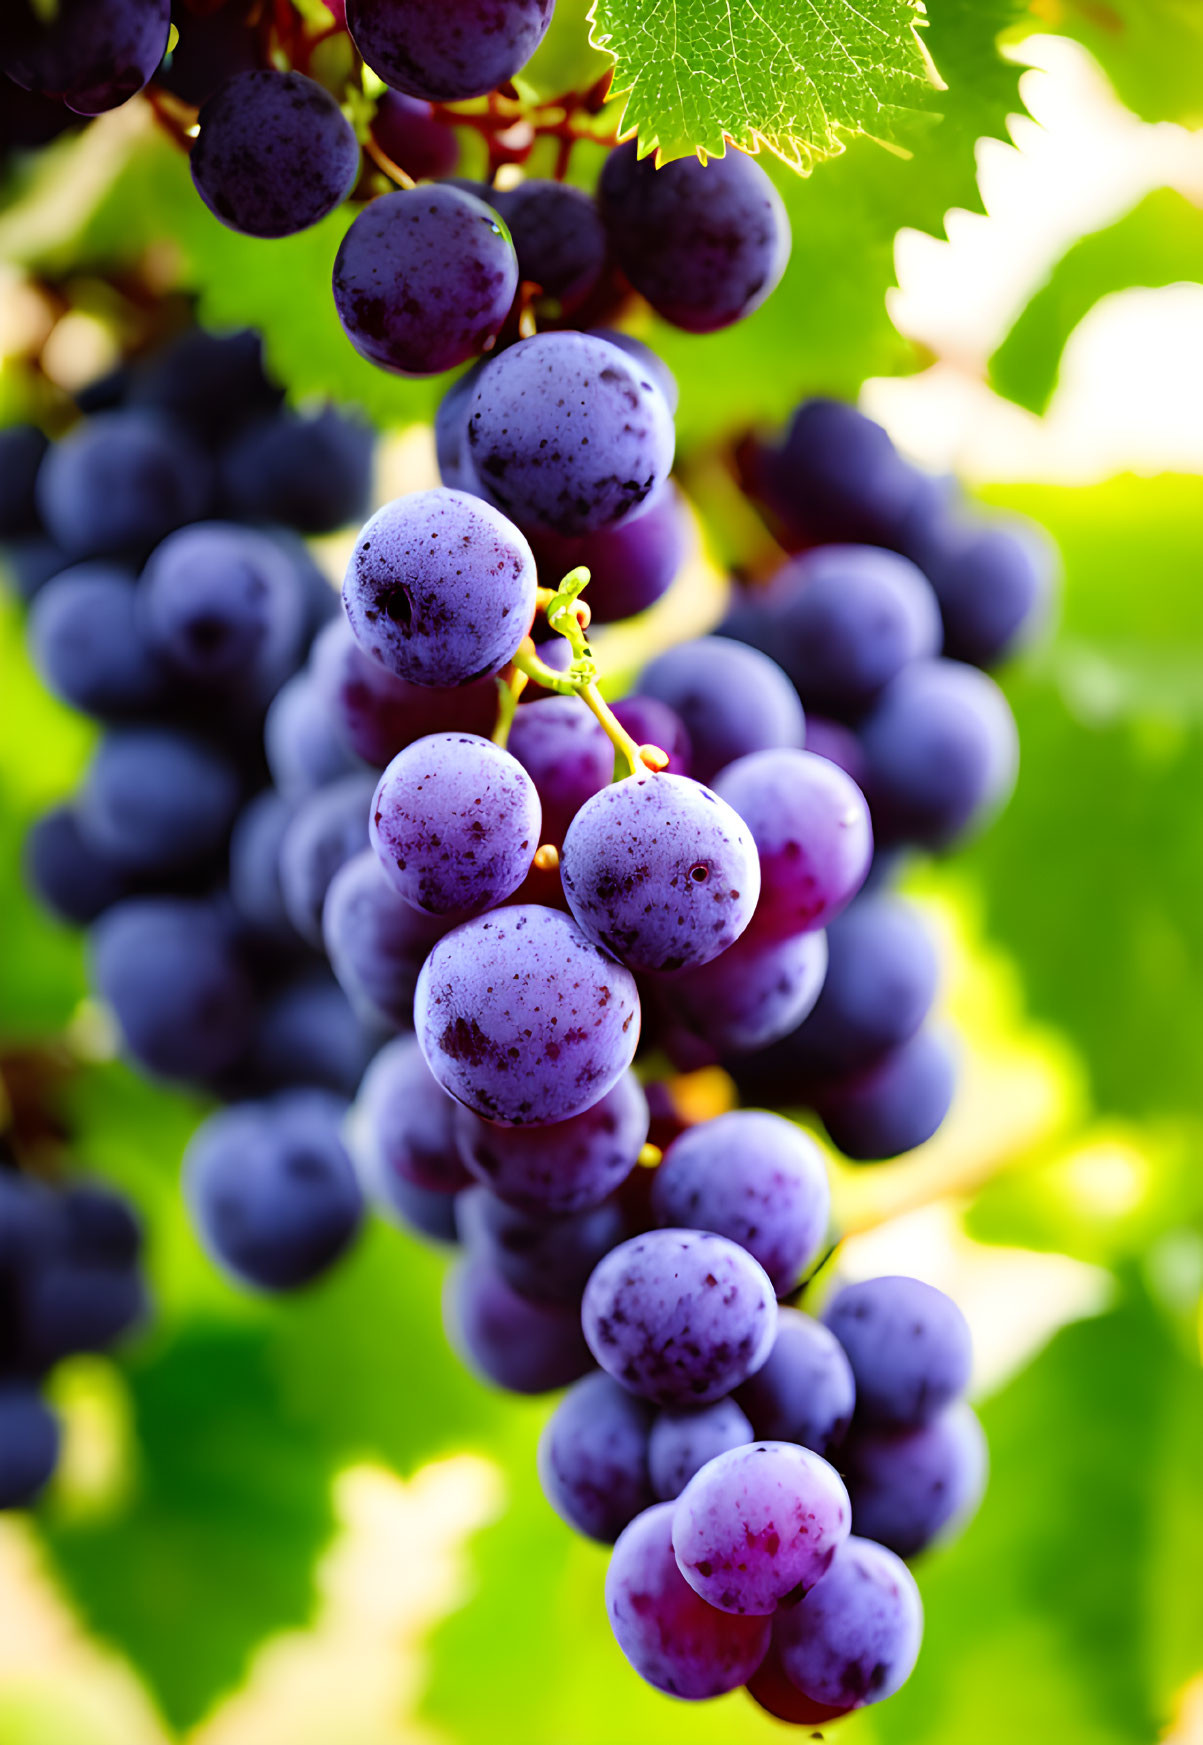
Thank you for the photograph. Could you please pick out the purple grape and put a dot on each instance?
(704, 243)
(912, 1487)
(255, 865)
(326, 829)
(455, 824)
(312, 473)
(546, 1259)
(424, 279)
(846, 619)
(567, 434)
(648, 361)
(524, 1347)
(995, 584)
(892, 1106)
(29, 1443)
(303, 751)
(403, 1126)
(308, 1034)
(272, 1191)
(23, 448)
(441, 589)
(630, 566)
(431, 1217)
(679, 1316)
(593, 1458)
(559, 239)
(93, 54)
(754, 1178)
(447, 53)
(772, 1691)
(156, 801)
(275, 153)
(451, 432)
(732, 700)
(66, 874)
(683, 1441)
(120, 482)
(222, 603)
(855, 1638)
(909, 1347)
(211, 383)
(523, 1019)
(169, 970)
(414, 137)
(82, 1290)
(941, 754)
(651, 722)
(375, 714)
(812, 832)
(88, 643)
(565, 1166)
(673, 1639)
(212, 47)
(756, 992)
(376, 941)
(660, 871)
(805, 1393)
(565, 751)
(837, 743)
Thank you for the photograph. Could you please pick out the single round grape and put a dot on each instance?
(424, 279)
(403, 1125)
(326, 829)
(892, 1106)
(660, 871)
(732, 700)
(672, 1638)
(66, 874)
(447, 54)
(565, 1166)
(275, 153)
(93, 54)
(995, 583)
(630, 566)
(441, 589)
(756, 992)
(169, 970)
(89, 645)
(524, 1347)
(255, 865)
(855, 1638)
(909, 1347)
(23, 448)
(548, 1259)
(375, 714)
(679, 1316)
(651, 722)
(157, 801)
(566, 752)
(304, 753)
(752, 1177)
(221, 602)
(941, 754)
(910, 1488)
(29, 1443)
(593, 1457)
(805, 1392)
(558, 236)
(523, 1019)
(119, 483)
(682, 1441)
(376, 941)
(567, 434)
(704, 243)
(312, 473)
(210, 383)
(271, 1189)
(455, 824)
(308, 1034)
(414, 137)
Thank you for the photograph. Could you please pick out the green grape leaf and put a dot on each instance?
(800, 80)
(1151, 50)
(1159, 242)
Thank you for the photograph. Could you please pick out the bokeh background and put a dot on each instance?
(306, 1523)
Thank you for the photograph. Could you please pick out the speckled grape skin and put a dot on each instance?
(559, 238)
(672, 1638)
(855, 1639)
(565, 1166)
(441, 588)
(704, 243)
(758, 1526)
(524, 1347)
(275, 153)
(455, 824)
(424, 279)
(679, 1316)
(565, 750)
(567, 434)
(547, 1259)
(326, 830)
(592, 1458)
(660, 871)
(522, 1019)
(753, 1177)
(444, 53)
(375, 714)
(912, 1487)
(733, 701)
(909, 1347)
(805, 1393)
(759, 990)
(401, 1125)
(682, 1442)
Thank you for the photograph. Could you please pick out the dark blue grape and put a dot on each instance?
(704, 243)
(588, 407)
(524, 1347)
(120, 482)
(29, 1444)
(275, 153)
(911, 1487)
(558, 236)
(909, 1347)
(156, 801)
(376, 941)
(994, 583)
(648, 361)
(255, 865)
(756, 992)
(548, 1259)
(313, 473)
(732, 700)
(593, 1458)
(93, 54)
(630, 566)
(22, 450)
(682, 1441)
(805, 1392)
(892, 1106)
(84, 1291)
(309, 1034)
(414, 137)
(304, 753)
(223, 605)
(30, 562)
(319, 594)
(427, 1215)
(424, 279)
(326, 829)
(854, 1639)
(403, 1126)
(90, 645)
(447, 54)
(271, 1189)
(211, 383)
(451, 432)
(567, 754)
(66, 873)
